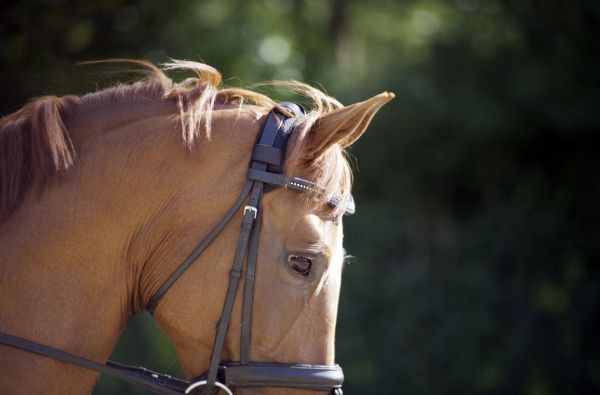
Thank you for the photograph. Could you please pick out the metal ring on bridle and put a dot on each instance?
(202, 383)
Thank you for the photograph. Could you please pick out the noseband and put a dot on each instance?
(265, 173)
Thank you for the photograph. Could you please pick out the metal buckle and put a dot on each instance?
(251, 209)
(202, 383)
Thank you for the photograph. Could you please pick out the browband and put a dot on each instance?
(298, 184)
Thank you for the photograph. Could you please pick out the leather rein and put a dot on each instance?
(265, 173)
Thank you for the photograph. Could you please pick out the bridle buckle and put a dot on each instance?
(252, 209)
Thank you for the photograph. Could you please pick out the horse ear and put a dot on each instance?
(342, 126)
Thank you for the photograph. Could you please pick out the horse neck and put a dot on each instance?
(78, 260)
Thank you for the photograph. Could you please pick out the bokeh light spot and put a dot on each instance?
(274, 50)
(80, 36)
(425, 22)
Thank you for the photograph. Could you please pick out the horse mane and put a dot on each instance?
(35, 146)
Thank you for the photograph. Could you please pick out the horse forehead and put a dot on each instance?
(297, 220)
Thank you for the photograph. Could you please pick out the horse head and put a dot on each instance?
(257, 297)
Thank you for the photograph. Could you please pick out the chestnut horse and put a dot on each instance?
(102, 196)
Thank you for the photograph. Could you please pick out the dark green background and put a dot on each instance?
(477, 233)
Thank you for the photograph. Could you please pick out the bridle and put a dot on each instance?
(265, 173)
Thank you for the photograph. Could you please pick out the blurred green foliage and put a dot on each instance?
(477, 233)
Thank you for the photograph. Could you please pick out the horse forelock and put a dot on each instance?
(35, 145)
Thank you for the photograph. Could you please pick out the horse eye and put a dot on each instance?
(299, 264)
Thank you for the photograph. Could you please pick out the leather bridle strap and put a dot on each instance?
(314, 377)
(156, 382)
(249, 292)
(266, 142)
(247, 227)
(299, 185)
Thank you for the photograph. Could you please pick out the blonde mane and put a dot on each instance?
(35, 145)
